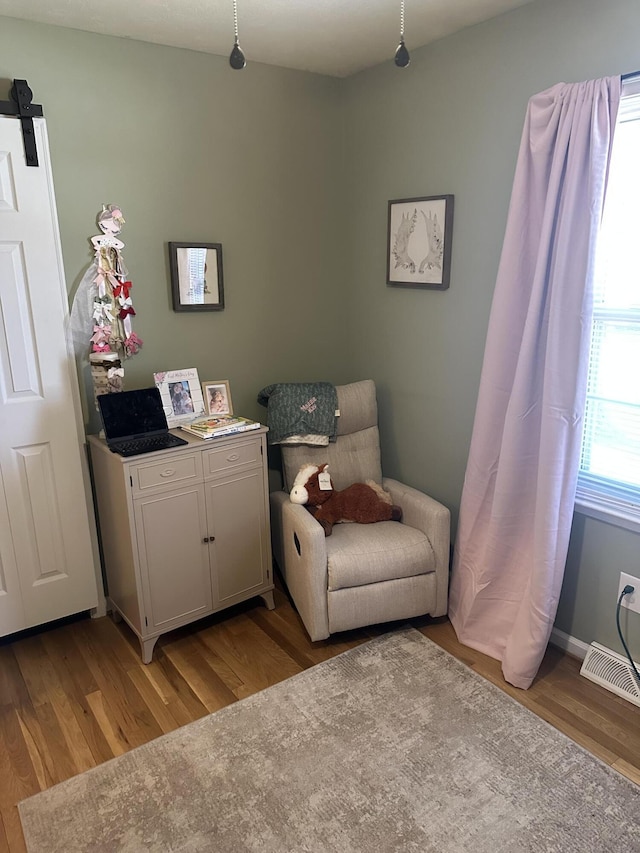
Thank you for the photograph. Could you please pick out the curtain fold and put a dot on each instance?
(520, 482)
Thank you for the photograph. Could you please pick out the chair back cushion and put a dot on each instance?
(355, 455)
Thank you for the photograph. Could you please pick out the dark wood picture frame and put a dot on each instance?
(197, 282)
(419, 237)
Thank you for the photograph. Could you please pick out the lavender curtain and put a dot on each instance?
(520, 482)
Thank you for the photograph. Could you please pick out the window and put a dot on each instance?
(609, 477)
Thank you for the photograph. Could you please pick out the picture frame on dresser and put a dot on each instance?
(181, 394)
(217, 397)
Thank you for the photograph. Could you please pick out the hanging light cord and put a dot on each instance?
(235, 19)
(402, 58)
(237, 59)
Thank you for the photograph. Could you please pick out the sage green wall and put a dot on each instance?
(192, 150)
(451, 123)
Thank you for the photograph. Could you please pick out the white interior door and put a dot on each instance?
(47, 559)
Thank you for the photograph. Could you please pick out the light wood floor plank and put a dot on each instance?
(224, 672)
(160, 710)
(48, 680)
(181, 686)
(4, 841)
(131, 716)
(58, 760)
(157, 678)
(37, 748)
(251, 653)
(12, 829)
(631, 771)
(33, 662)
(18, 779)
(13, 689)
(106, 719)
(16, 760)
(205, 683)
(76, 682)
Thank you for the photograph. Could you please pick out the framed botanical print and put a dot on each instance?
(419, 235)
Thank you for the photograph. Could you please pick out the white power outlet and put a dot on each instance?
(632, 601)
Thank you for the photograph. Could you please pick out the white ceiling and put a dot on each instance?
(335, 37)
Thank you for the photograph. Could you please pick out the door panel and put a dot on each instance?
(19, 373)
(41, 441)
(11, 610)
(7, 191)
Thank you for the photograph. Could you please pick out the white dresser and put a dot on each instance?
(184, 532)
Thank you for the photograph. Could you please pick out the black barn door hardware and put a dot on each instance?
(21, 106)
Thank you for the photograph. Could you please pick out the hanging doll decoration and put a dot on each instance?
(102, 309)
(112, 303)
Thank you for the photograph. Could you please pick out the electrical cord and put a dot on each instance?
(626, 591)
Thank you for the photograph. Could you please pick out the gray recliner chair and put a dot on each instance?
(362, 574)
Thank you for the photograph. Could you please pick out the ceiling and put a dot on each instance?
(334, 37)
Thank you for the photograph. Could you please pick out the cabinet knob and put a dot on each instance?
(209, 539)
(206, 539)
(168, 473)
(233, 457)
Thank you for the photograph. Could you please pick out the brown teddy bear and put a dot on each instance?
(363, 503)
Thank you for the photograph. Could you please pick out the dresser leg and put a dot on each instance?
(267, 597)
(147, 649)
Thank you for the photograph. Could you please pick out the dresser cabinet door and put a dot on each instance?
(238, 523)
(174, 557)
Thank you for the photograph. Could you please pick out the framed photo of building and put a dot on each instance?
(419, 235)
(196, 276)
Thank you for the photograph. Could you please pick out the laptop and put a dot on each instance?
(134, 422)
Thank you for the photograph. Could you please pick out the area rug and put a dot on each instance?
(391, 746)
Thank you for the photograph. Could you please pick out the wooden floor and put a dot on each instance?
(74, 696)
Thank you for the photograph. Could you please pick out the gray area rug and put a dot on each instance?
(391, 746)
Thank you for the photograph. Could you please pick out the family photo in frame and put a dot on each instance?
(181, 394)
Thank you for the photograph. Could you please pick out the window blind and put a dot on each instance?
(609, 476)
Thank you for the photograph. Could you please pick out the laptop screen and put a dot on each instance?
(130, 413)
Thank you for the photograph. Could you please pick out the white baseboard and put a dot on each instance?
(569, 644)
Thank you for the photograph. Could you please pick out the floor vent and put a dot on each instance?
(612, 671)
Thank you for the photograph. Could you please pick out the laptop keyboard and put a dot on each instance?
(147, 444)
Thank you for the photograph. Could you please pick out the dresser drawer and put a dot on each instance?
(237, 455)
(173, 471)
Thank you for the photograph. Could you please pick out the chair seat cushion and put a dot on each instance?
(359, 554)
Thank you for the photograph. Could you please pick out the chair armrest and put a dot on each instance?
(305, 567)
(434, 520)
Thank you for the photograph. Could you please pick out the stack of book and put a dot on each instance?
(215, 426)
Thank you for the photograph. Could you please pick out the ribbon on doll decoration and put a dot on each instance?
(132, 344)
(100, 338)
(121, 290)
